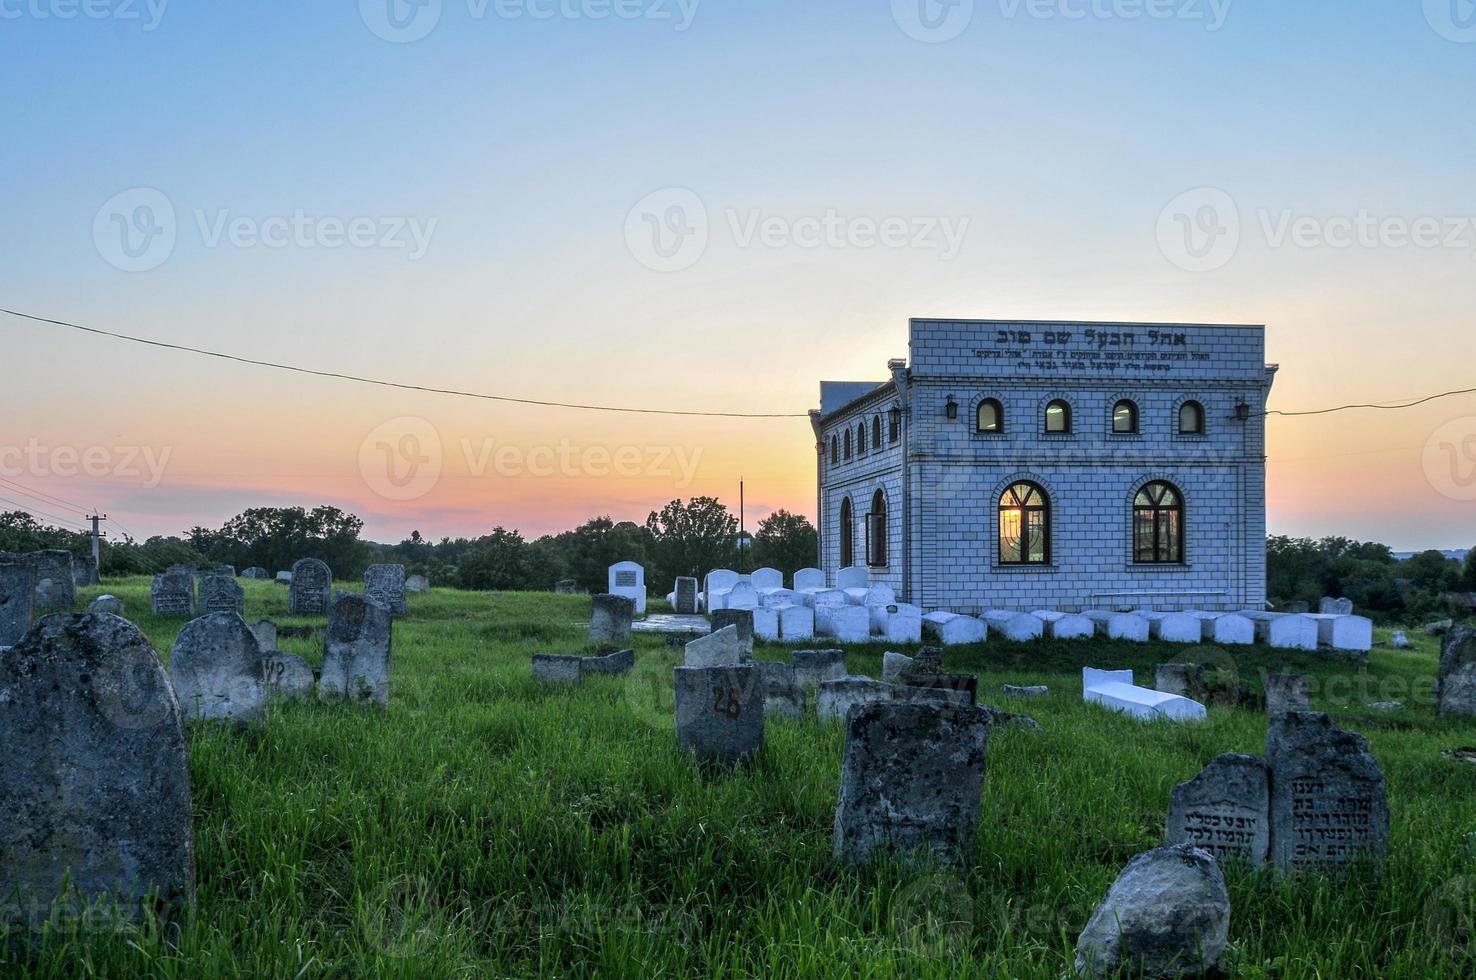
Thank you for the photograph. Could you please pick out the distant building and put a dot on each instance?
(1027, 465)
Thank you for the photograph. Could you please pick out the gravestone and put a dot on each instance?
(173, 594)
(903, 624)
(17, 602)
(610, 618)
(555, 668)
(835, 698)
(94, 779)
(1297, 606)
(219, 594)
(1180, 679)
(1329, 803)
(216, 669)
(628, 578)
(896, 664)
(796, 623)
(1224, 810)
(929, 660)
(84, 571)
(951, 629)
(813, 667)
(265, 632)
(1118, 626)
(312, 588)
(722, 648)
(911, 775)
(741, 618)
(1334, 607)
(566, 586)
(720, 712)
(933, 695)
(356, 651)
(284, 578)
(1400, 640)
(386, 583)
(611, 664)
(783, 696)
(686, 596)
(765, 624)
(1030, 691)
(109, 604)
(1166, 915)
(1455, 691)
(284, 675)
(256, 573)
(850, 624)
(1286, 692)
(56, 589)
(417, 583)
(1016, 626)
(966, 686)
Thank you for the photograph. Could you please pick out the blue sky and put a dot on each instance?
(522, 144)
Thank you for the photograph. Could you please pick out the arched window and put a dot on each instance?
(894, 424)
(1058, 417)
(990, 416)
(876, 531)
(848, 444)
(1125, 417)
(1158, 525)
(1191, 419)
(876, 432)
(847, 535)
(834, 449)
(1024, 526)
(861, 439)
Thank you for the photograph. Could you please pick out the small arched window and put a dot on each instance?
(1024, 526)
(834, 448)
(848, 444)
(990, 416)
(1158, 525)
(876, 531)
(1058, 416)
(847, 535)
(876, 432)
(894, 424)
(1191, 419)
(861, 439)
(1125, 417)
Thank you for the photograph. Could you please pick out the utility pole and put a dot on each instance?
(97, 547)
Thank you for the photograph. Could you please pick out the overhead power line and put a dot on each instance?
(42, 515)
(544, 403)
(45, 498)
(1384, 407)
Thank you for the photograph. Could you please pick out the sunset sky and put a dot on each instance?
(188, 172)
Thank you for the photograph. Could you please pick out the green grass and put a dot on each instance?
(485, 826)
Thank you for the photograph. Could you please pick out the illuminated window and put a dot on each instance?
(1058, 417)
(1125, 417)
(990, 416)
(1024, 526)
(1158, 525)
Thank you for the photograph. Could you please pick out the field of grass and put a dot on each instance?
(486, 826)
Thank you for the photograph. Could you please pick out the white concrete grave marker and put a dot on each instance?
(628, 578)
(1115, 689)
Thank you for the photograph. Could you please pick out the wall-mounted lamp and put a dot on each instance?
(950, 408)
(1242, 412)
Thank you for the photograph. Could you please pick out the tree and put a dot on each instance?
(689, 539)
(275, 537)
(499, 561)
(1431, 571)
(785, 541)
(1468, 572)
(586, 553)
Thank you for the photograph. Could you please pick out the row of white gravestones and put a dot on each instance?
(1318, 800)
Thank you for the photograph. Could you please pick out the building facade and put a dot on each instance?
(1030, 465)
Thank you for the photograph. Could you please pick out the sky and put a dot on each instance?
(704, 205)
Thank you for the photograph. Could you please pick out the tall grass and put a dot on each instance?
(486, 826)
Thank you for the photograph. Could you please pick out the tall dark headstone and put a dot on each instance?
(219, 594)
(173, 594)
(686, 596)
(311, 589)
(56, 589)
(17, 601)
(356, 651)
(1329, 803)
(386, 583)
(94, 780)
(720, 712)
(1456, 693)
(1224, 810)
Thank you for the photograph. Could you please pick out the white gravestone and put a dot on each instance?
(1115, 689)
(951, 629)
(1119, 626)
(1284, 631)
(796, 623)
(718, 584)
(766, 580)
(1169, 627)
(904, 625)
(1020, 627)
(1225, 629)
(766, 624)
(628, 578)
(1065, 626)
(1347, 633)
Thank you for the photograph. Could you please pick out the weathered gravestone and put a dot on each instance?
(387, 584)
(1026, 691)
(896, 664)
(265, 632)
(720, 712)
(610, 618)
(741, 618)
(835, 698)
(929, 660)
(56, 589)
(1224, 810)
(283, 578)
(17, 602)
(356, 651)
(417, 583)
(566, 586)
(1166, 915)
(685, 596)
(1329, 803)
(256, 573)
(84, 571)
(783, 696)
(219, 594)
(966, 686)
(1334, 607)
(556, 668)
(718, 649)
(173, 594)
(216, 669)
(812, 667)
(611, 664)
(910, 780)
(1456, 689)
(1286, 692)
(311, 589)
(284, 675)
(109, 604)
(94, 780)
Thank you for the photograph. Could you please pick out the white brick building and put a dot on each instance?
(1024, 465)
